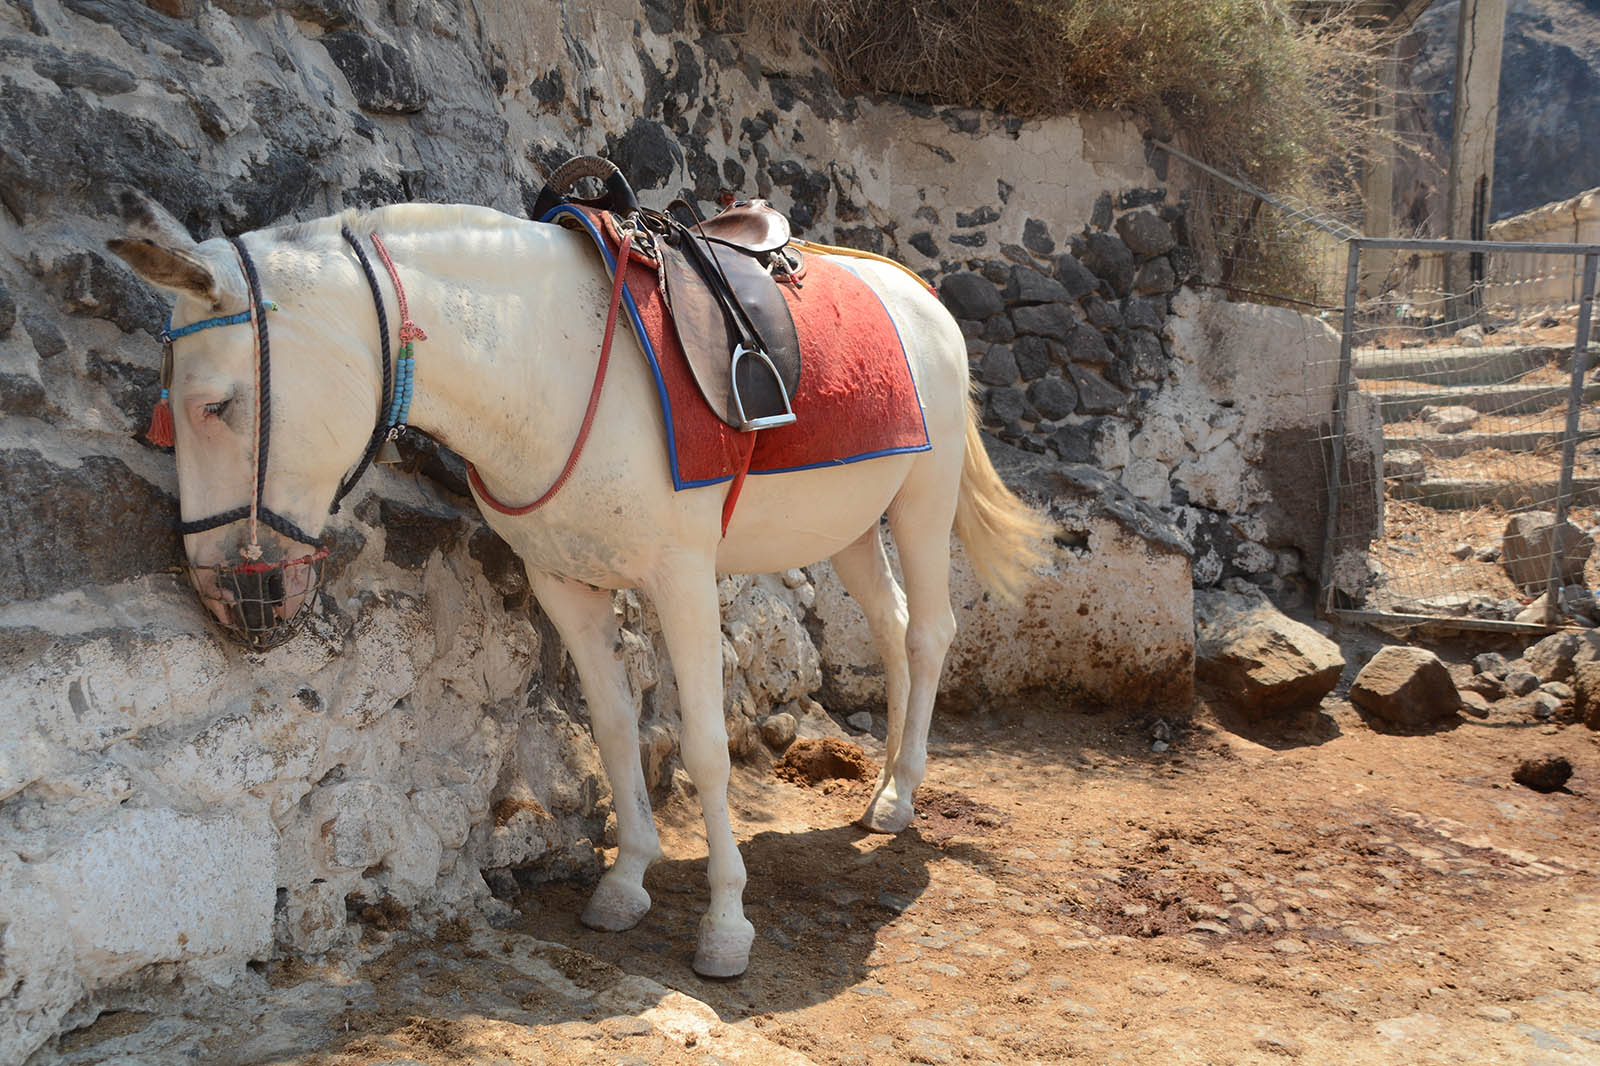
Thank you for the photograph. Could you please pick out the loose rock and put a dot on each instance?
(1453, 419)
(1406, 686)
(1521, 682)
(1586, 694)
(1528, 544)
(778, 730)
(1544, 774)
(1253, 651)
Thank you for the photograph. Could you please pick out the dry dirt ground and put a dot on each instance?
(1313, 891)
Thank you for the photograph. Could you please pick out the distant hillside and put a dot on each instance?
(1547, 146)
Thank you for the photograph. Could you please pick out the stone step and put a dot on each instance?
(1454, 366)
(1450, 445)
(1404, 404)
(1463, 494)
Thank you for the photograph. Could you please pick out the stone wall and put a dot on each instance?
(1545, 281)
(171, 806)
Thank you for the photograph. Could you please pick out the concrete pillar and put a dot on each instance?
(1377, 177)
(1477, 104)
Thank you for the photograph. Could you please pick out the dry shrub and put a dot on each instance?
(1259, 91)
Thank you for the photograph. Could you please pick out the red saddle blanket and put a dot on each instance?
(856, 398)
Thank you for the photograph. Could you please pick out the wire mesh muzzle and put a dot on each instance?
(259, 604)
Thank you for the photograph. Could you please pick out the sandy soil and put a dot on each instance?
(1313, 890)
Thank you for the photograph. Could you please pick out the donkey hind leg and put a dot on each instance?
(684, 592)
(920, 517)
(864, 569)
(588, 626)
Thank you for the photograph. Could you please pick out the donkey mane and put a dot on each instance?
(412, 218)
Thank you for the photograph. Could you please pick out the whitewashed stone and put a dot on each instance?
(782, 663)
(1404, 466)
(138, 888)
(1218, 479)
(1148, 479)
(84, 694)
(1109, 624)
(1160, 438)
(312, 920)
(1252, 558)
(446, 814)
(361, 823)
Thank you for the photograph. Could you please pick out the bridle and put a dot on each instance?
(254, 588)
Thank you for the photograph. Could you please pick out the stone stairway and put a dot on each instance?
(1486, 380)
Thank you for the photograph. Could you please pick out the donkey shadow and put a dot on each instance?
(818, 899)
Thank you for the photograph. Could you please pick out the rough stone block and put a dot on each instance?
(1053, 398)
(145, 886)
(1036, 237)
(382, 78)
(1406, 687)
(65, 527)
(1055, 321)
(1264, 660)
(1558, 656)
(1155, 278)
(1529, 543)
(1095, 396)
(1032, 354)
(998, 366)
(1033, 287)
(1145, 233)
(972, 296)
(1110, 259)
(1078, 279)
(1085, 345)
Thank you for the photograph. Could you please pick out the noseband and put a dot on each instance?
(251, 592)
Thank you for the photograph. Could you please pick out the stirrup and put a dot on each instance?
(746, 424)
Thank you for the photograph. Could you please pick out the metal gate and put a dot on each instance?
(1464, 461)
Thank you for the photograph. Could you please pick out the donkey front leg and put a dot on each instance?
(588, 624)
(685, 598)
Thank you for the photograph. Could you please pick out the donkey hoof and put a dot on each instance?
(615, 907)
(724, 952)
(886, 815)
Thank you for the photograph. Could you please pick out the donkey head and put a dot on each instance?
(272, 389)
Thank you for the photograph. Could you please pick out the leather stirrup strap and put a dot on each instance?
(594, 401)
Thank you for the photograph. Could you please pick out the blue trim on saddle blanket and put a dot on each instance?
(639, 332)
(922, 412)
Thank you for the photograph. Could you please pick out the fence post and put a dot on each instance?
(1341, 405)
(1569, 444)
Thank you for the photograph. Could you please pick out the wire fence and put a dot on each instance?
(1459, 448)
(1488, 493)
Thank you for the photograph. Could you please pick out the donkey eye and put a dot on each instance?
(216, 410)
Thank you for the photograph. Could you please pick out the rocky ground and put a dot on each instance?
(1313, 889)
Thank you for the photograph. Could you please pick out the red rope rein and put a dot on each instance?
(478, 486)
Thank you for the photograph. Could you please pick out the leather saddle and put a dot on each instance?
(719, 277)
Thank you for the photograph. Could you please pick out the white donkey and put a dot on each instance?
(514, 313)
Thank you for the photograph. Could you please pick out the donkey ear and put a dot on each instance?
(142, 216)
(176, 269)
(159, 249)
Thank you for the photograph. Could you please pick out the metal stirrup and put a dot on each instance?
(747, 424)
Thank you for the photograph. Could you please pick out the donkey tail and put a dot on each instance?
(1001, 533)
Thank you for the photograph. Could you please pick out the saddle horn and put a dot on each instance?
(618, 197)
